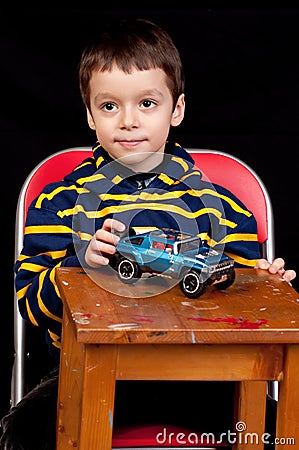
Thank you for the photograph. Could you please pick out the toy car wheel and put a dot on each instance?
(128, 271)
(228, 282)
(192, 284)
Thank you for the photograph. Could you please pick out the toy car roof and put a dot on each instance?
(171, 234)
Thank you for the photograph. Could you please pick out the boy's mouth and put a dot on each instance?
(130, 143)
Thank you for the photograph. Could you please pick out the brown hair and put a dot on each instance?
(132, 43)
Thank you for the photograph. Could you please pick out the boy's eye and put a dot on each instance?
(109, 107)
(148, 104)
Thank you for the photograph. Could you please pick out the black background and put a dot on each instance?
(242, 97)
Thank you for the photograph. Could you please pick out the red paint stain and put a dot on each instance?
(139, 318)
(83, 315)
(240, 322)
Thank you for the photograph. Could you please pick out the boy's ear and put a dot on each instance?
(90, 120)
(179, 111)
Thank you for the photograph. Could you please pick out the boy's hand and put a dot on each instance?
(103, 243)
(277, 266)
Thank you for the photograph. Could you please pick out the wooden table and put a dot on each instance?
(248, 334)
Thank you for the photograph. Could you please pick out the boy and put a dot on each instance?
(132, 85)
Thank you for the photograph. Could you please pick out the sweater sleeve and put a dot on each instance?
(48, 243)
(239, 236)
(242, 243)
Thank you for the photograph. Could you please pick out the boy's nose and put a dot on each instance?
(129, 118)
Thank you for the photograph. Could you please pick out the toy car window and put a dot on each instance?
(186, 246)
(137, 240)
(159, 245)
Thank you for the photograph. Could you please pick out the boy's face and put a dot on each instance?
(132, 114)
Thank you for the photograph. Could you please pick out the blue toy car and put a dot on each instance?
(173, 253)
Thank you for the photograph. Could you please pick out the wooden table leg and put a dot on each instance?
(287, 432)
(70, 388)
(98, 399)
(249, 424)
(85, 420)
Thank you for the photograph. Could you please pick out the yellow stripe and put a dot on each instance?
(121, 197)
(87, 163)
(140, 230)
(95, 148)
(56, 254)
(40, 302)
(169, 208)
(243, 261)
(252, 237)
(205, 237)
(196, 173)
(91, 178)
(55, 339)
(143, 196)
(117, 179)
(32, 267)
(38, 229)
(84, 236)
(181, 161)
(53, 254)
(150, 206)
(100, 159)
(30, 315)
(22, 257)
(76, 210)
(22, 292)
(53, 336)
(165, 179)
(232, 238)
(52, 278)
(173, 195)
(57, 191)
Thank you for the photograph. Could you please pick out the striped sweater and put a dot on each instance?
(66, 214)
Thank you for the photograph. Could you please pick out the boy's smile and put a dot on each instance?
(132, 114)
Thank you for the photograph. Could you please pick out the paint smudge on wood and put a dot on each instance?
(121, 326)
(238, 322)
(140, 318)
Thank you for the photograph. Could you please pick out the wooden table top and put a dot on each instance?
(257, 308)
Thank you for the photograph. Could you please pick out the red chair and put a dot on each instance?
(218, 167)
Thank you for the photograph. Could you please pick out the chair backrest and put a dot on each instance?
(218, 167)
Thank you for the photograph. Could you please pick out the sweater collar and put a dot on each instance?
(172, 153)
(109, 173)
